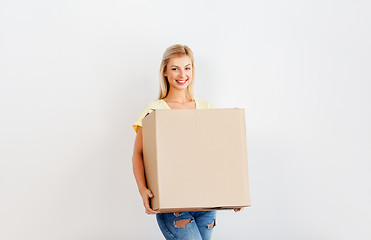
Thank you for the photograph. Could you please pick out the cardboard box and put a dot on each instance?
(196, 159)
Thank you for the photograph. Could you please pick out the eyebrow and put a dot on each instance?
(177, 66)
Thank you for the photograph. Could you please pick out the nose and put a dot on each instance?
(182, 74)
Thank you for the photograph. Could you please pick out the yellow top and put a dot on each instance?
(161, 104)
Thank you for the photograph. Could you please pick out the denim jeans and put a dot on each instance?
(195, 225)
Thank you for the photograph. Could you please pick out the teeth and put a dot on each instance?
(181, 81)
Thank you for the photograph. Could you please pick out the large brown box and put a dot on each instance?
(196, 159)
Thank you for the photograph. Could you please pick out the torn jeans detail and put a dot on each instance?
(197, 225)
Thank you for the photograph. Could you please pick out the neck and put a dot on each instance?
(178, 95)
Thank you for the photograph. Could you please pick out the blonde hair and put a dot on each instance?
(175, 50)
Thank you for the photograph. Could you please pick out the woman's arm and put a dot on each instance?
(138, 170)
(138, 166)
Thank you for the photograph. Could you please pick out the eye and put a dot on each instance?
(174, 69)
(188, 68)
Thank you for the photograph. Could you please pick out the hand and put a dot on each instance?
(238, 209)
(146, 194)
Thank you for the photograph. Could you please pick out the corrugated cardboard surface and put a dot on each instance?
(196, 159)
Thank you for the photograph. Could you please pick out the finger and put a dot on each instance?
(148, 208)
(150, 211)
(150, 194)
(146, 203)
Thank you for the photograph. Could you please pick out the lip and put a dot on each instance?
(181, 83)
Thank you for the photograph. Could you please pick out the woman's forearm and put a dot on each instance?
(138, 169)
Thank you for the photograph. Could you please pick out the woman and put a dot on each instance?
(176, 92)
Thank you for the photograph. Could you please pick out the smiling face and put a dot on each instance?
(179, 72)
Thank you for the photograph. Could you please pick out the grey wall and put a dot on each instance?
(74, 75)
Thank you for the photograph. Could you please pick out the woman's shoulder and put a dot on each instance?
(203, 104)
(146, 109)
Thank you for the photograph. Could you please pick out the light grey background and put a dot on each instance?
(74, 76)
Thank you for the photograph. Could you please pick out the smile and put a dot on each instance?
(181, 82)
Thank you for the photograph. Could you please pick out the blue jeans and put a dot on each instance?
(187, 225)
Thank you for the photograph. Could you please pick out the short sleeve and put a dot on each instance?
(138, 122)
(210, 105)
